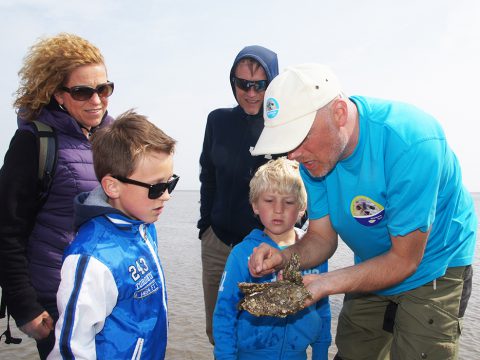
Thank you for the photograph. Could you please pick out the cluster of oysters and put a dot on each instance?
(279, 298)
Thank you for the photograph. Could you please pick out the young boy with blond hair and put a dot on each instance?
(112, 298)
(278, 197)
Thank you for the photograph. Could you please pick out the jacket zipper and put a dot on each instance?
(143, 233)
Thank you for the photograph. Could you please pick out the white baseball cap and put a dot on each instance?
(291, 103)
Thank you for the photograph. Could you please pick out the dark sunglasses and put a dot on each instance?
(245, 85)
(83, 93)
(155, 190)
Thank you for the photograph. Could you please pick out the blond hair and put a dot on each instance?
(118, 148)
(281, 176)
(47, 66)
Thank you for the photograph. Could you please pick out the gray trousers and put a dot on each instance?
(214, 257)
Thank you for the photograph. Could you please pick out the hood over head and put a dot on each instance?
(267, 59)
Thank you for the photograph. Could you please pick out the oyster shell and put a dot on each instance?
(278, 298)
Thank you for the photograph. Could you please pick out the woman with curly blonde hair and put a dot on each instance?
(64, 84)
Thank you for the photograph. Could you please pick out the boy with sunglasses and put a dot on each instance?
(112, 298)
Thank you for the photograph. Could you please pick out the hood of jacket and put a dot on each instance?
(94, 203)
(267, 59)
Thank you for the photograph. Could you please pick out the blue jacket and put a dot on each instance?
(112, 298)
(226, 165)
(240, 335)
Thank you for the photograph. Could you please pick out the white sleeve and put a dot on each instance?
(86, 296)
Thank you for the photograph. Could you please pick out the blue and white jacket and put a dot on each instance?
(240, 335)
(112, 298)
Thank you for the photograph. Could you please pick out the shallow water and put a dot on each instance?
(180, 254)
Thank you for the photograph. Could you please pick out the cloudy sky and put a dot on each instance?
(170, 59)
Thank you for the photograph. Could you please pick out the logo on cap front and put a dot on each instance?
(271, 108)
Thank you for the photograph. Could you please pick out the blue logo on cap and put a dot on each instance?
(271, 107)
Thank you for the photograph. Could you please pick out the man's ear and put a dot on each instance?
(255, 208)
(111, 186)
(340, 112)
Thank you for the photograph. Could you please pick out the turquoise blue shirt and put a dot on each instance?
(402, 176)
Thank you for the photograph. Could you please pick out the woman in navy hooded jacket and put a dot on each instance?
(227, 166)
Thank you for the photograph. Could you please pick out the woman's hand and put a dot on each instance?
(40, 327)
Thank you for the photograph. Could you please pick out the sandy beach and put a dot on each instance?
(179, 251)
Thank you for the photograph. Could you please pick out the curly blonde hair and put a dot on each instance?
(47, 66)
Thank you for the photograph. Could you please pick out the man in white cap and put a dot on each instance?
(380, 175)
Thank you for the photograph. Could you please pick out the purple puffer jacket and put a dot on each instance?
(53, 229)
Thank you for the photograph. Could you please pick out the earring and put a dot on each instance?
(61, 107)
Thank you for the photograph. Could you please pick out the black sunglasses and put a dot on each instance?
(245, 85)
(83, 93)
(154, 190)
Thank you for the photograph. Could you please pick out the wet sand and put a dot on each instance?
(179, 251)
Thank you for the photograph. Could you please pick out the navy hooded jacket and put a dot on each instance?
(226, 163)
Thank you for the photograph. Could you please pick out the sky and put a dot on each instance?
(170, 60)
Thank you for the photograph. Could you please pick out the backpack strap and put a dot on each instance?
(47, 161)
(47, 158)
(9, 339)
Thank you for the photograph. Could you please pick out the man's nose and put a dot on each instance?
(294, 154)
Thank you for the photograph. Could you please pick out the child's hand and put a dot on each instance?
(40, 327)
(265, 260)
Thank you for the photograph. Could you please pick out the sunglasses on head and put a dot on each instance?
(154, 190)
(83, 92)
(245, 85)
